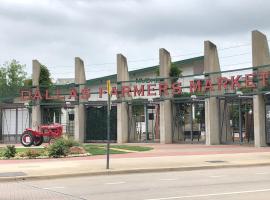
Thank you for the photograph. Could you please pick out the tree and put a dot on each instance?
(45, 80)
(45, 77)
(175, 72)
(12, 77)
(3, 80)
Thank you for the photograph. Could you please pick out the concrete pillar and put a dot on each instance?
(166, 131)
(79, 126)
(122, 107)
(211, 64)
(260, 56)
(36, 112)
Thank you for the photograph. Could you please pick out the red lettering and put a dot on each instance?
(114, 91)
(25, 95)
(249, 81)
(73, 93)
(150, 90)
(85, 93)
(208, 85)
(163, 89)
(37, 95)
(126, 90)
(140, 91)
(235, 82)
(47, 95)
(264, 77)
(100, 92)
(195, 87)
(176, 88)
(222, 82)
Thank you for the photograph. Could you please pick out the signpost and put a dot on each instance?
(108, 123)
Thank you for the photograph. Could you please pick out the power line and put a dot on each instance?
(152, 59)
(135, 68)
(234, 55)
(227, 65)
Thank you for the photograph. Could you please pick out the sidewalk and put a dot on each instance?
(162, 158)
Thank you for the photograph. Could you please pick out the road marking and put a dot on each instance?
(56, 187)
(115, 183)
(168, 179)
(261, 173)
(217, 176)
(212, 194)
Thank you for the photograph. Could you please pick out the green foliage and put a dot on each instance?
(69, 142)
(21, 154)
(45, 77)
(175, 71)
(28, 82)
(132, 148)
(12, 77)
(61, 147)
(58, 148)
(9, 151)
(100, 150)
(32, 153)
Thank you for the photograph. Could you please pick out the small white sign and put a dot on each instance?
(27, 139)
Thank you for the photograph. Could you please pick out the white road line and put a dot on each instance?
(168, 179)
(212, 194)
(57, 187)
(115, 183)
(261, 173)
(217, 176)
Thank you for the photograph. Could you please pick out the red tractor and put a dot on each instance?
(36, 138)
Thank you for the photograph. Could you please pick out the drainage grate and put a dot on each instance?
(215, 161)
(12, 174)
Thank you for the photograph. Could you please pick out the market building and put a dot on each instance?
(201, 105)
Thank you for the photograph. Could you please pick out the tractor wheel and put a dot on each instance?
(38, 140)
(27, 139)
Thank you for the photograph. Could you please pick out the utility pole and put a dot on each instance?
(108, 123)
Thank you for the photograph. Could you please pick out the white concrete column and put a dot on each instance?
(79, 126)
(211, 64)
(260, 56)
(122, 108)
(36, 112)
(166, 131)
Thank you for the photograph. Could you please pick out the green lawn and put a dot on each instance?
(100, 149)
(132, 148)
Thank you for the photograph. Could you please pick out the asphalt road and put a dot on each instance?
(235, 183)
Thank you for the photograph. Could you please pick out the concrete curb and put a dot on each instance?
(128, 171)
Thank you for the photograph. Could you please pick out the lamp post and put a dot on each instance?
(108, 123)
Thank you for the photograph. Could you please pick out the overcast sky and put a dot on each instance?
(56, 31)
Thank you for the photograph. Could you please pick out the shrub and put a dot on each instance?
(32, 153)
(77, 150)
(61, 147)
(71, 143)
(9, 151)
(58, 148)
(21, 154)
